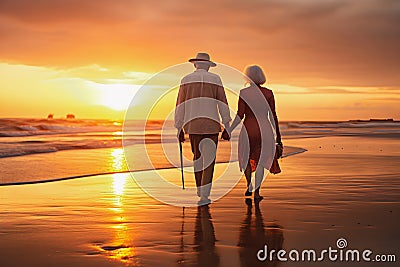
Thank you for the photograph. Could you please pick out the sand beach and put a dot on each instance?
(342, 187)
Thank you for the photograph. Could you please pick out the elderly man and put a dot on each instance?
(201, 99)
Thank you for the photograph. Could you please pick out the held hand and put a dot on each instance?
(181, 136)
(225, 135)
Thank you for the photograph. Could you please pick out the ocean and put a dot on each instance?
(36, 150)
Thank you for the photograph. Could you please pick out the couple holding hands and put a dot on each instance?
(202, 102)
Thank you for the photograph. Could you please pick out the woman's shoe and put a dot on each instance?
(258, 198)
(248, 193)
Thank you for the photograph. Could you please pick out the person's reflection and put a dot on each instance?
(254, 235)
(204, 238)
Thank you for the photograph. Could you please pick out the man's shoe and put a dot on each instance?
(204, 201)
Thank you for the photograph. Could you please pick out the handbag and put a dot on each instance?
(279, 151)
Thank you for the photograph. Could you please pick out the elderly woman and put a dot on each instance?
(260, 135)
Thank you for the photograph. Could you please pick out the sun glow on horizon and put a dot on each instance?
(95, 92)
(115, 96)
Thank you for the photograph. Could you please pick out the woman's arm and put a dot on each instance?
(239, 115)
(273, 110)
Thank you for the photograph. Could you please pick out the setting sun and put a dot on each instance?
(115, 96)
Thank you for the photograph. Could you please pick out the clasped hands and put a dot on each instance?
(181, 135)
(226, 135)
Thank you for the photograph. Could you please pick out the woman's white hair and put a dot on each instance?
(255, 74)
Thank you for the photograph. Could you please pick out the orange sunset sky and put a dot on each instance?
(325, 60)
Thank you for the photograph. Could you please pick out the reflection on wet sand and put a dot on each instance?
(254, 234)
(204, 238)
(120, 247)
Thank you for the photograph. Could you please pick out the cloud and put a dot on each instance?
(296, 90)
(306, 43)
(385, 99)
(99, 74)
(355, 90)
(61, 11)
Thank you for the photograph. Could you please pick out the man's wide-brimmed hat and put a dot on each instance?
(204, 57)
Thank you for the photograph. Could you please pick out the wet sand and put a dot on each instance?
(342, 187)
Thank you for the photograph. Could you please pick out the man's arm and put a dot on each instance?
(223, 107)
(180, 107)
(180, 112)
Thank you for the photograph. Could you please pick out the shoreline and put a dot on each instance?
(99, 155)
(293, 151)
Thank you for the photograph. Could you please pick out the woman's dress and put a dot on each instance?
(260, 133)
